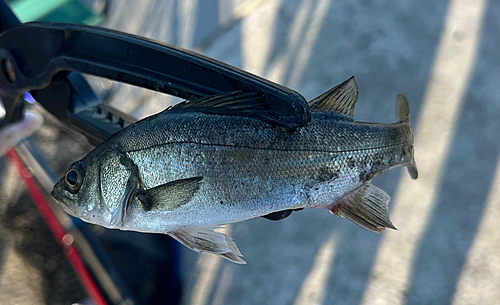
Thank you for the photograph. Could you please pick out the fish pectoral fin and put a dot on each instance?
(367, 206)
(341, 99)
(249, 104)
(170, 195)
(207, 240)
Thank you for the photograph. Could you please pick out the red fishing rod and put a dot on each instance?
(61, 234)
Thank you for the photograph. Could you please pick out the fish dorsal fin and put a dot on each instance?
(235, 100)
(249, 104)
(205, 239)
(341, 98)
(367, 207)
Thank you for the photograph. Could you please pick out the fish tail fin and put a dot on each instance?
(403, 116)
(367, 207)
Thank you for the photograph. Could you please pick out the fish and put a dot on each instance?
(205, 163)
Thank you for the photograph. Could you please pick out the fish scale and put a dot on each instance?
(202, 164)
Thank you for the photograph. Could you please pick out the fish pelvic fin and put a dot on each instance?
(341, 99)
(207, 240)
(403, 116)
(367, 207)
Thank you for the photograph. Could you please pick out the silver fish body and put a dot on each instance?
(186, 172)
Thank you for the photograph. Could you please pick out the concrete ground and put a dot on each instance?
(443, 55)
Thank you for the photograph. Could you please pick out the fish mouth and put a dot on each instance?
(65, 203)
(69, 211)
(58, 197)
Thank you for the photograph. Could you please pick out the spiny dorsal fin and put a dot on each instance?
(367, 207)
(341, 98)
(170, 195)
(249, 104)
(235, 100)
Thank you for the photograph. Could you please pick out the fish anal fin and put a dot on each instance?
(170, 195)
(207, 240)
(278, 215)
(275, 216)
(367, 207)
(341, 99)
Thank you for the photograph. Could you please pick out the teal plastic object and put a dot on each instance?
(55, 10)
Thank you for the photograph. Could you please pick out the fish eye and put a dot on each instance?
(73, 179)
